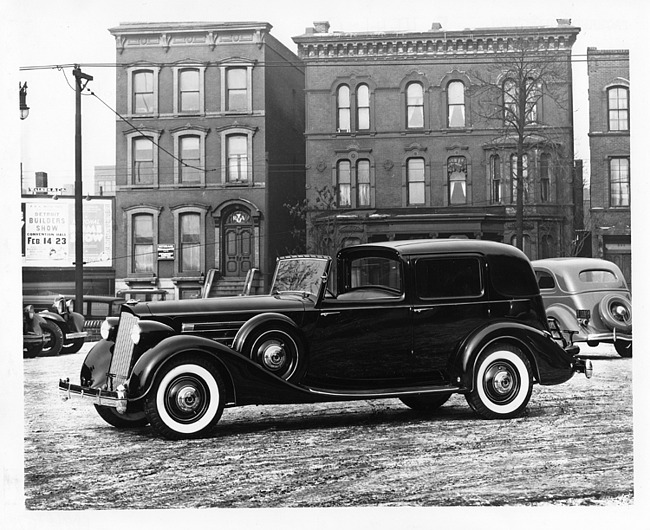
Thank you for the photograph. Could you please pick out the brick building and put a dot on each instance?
(210, 149)
(396, 147)
(609, 146)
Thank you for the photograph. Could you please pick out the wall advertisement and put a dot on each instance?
(49, 232)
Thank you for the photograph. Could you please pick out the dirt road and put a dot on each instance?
(574, 446)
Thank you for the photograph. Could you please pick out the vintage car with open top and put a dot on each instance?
(414, 320)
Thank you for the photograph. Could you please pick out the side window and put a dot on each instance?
(375, 271)
(545, 280)
(448, 278)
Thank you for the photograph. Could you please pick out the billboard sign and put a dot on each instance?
(49, 232)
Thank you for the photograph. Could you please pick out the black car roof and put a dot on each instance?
(440, 246)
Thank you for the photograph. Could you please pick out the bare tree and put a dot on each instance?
(316, 228)
(508, 96)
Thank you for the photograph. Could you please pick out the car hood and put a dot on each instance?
(225, 304)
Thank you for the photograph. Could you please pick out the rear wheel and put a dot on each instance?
(623, 348)
(52, 339)
(187, 398)
(425, 403)
(121, 421)
(503, 383)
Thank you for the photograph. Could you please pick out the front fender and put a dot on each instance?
(49, 315)
(77, 320)
(549, 362)
(96, 365)
(255, 322)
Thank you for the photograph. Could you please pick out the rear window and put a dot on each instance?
(512, 276)
(597, 276)
(448, 278)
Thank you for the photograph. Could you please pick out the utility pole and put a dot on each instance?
(81, 80)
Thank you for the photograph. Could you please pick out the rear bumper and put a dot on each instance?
(116, 399)
(613, 336)
(583, 366)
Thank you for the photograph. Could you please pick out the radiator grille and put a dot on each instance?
(121, 362)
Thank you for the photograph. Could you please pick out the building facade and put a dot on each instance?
(398, 144)
(209, 149)
(609, 146)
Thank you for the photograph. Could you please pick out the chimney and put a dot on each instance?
(563, 21)
(41, 179)
(322, 27)
(436, 26)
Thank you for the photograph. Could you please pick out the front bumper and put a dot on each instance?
(76, 335)
(116, 399)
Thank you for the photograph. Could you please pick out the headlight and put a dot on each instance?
(135, 333)
(30, 312)
(70, 305)
(60, 306)
(105, 329)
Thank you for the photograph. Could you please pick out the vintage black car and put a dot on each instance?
(33, 338)
(63, 327)
(414, 320)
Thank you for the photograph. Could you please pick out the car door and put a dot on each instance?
(362, 338)
(448, 303)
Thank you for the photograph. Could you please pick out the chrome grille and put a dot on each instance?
(121, 362)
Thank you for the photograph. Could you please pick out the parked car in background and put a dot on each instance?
(416, 320)
(589, 300)
(143, 294)
(33, 339)
(62, 326)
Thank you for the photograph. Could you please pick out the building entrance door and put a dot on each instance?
(238, 239)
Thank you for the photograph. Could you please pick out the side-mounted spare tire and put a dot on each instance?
(278, 349)
(616, 312)
(502, 381)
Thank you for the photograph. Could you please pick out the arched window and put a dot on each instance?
(237, 89)
(363, 108)
(343, 183)
(143, 92)
(189, 90)
(363, 183)
(545, 177)
(414, 105)
(237, 158)
(142, 161)
(343, 108)
(142, 238)
(415, 181)
(190, 242)
(190, 159)
(457, 179)
(495, 177)
(618, 106)
(619, 175)
(514, 179)
(456, 104)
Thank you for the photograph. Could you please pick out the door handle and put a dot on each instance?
(329, 313)
(420, 309)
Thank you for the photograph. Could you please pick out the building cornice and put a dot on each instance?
(313, 46)
(167, 35)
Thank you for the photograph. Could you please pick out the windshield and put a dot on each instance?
(300, 274)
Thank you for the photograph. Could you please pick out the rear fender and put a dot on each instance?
(256, 322)
(550, 363)
(565, 317)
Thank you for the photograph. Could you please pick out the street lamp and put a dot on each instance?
(22, 97)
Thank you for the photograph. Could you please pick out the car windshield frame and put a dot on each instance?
(305, 275)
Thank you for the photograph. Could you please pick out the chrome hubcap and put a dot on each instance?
(188, 399)
(273, 355)
(502, 381)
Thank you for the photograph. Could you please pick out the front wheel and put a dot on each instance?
(121, 421)
(72, 346)
(187, 399)
(425, 403)
(623, 348)
(503, 383)
(52, 339)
